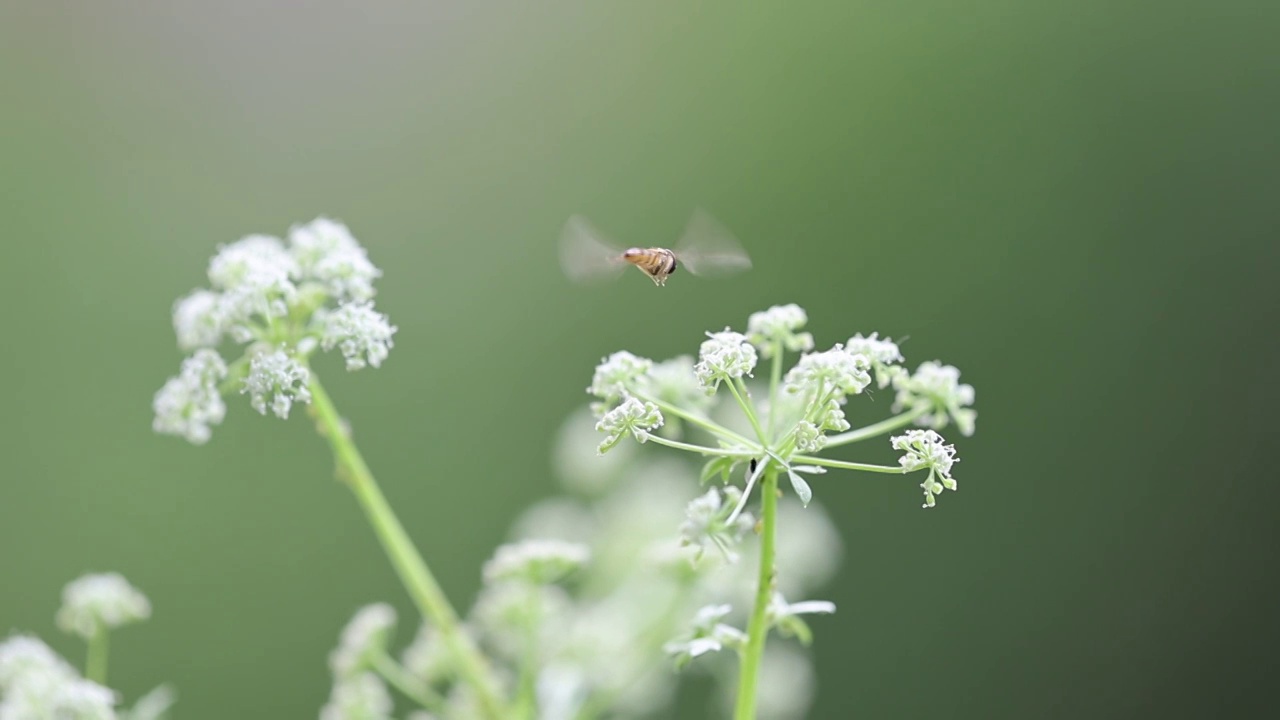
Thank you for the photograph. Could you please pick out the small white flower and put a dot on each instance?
(836, 371)
(926, 449)
(360, 332)
(706, 523)
(361, 697)
(786, 616)
(364, 638)
(540, 562)
(104, 600)
(884, 355)
(724, 356)
(708, 634)
(21, 655)
(779, 326)
(281, 378)
(326, 252)
(199, 320)
(190, 403)
(937, 387)
(256, 275)
(615, 377)
(36, 683)
(633, 417)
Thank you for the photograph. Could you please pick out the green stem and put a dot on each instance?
(880, 428)
(692, 419)
(758, 626)
(702, 449)
(749, 411)
(411, 687)
(95, 665)
(825, 462)
(409, 565)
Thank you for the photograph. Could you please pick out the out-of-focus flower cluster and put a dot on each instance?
(37, 683)
(281, 300)
(599, 591)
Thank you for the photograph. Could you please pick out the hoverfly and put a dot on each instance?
(705, 248)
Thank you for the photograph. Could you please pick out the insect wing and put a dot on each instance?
(709, 248)
(585, 254)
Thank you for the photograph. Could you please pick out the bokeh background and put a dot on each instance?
(1074, 202)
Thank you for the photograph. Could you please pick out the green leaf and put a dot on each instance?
(801, 487)
(720, 464)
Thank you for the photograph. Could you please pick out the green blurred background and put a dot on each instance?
(1075, 203)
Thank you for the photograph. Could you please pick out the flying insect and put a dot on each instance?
(705, 248)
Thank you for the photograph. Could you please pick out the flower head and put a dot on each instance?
(326, 252)
(540, 562)
(360, 332)
(884, 356)
(255, 275)
(190, 403)
(101, 601)
(631, 417)
(427, 657)
(724, 356)
(936, 388)
(36, 683)
(281, 378)
(779, 326)
(363, 639)
(360, 697)
(926, 449)
(833, 373)
(199, 320)
(615, 377)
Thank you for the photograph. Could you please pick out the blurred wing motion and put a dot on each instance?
(708, 248)
(586, 255)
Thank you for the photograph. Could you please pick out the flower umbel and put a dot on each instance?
(284, 301)
(724, 356)
(105, 600)
(926, 449)
(631, 417)
(936, 390)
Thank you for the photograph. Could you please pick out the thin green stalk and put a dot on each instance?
(408, 563)
(880, 428)
(747, 409)
(702, 449)
(411, 687)
(826, 462)
(95, 664)
(701, 422)
(758, 626)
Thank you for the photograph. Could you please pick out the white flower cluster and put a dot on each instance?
(190, 403)
(631, 417)
(362, 696)
(363, 639)
(285, 299)
(833, 374)
(936, 388)
(101, 601)
(883, 354)
(724, 357)
(278, 376)
(779, 327)
(926, 449)
(36, 683)
(539, 562)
